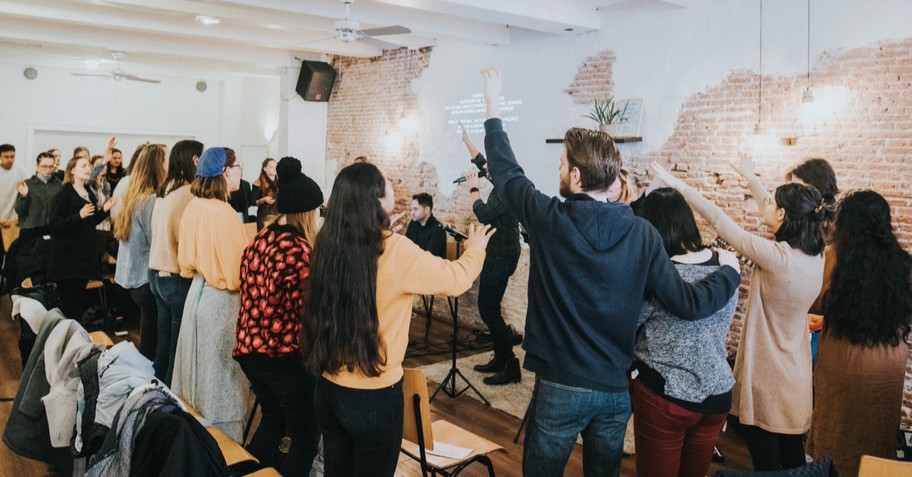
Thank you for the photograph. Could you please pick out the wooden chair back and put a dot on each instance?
(414, 384)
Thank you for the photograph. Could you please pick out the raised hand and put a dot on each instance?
(472, 179)
(22, 188)
(665, 176)
(730, 259)
(394, 227)
(465, 134)
(479, 235)
(745, 165)
(87, 211)
(492, 86)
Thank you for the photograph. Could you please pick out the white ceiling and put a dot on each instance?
(260, 36)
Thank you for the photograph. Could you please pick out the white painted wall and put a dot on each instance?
(304, 134)
(234, 111)
(664, 54)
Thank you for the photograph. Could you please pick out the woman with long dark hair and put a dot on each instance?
(355, 325)
(168, 287)
(772, 393)
(264, 189)
(73, 261)
(682, 393)
(133, 229)
(867, 301)
(274, 273)
(211, 242)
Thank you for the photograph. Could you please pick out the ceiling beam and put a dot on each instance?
(540, 15)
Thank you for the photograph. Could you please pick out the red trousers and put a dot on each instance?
(670, 440)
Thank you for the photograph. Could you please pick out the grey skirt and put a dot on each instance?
(205, 375)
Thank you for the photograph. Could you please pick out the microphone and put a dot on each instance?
(453, 232)
(460, 180)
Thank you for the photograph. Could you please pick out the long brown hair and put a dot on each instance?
(340, 326)
(215, 187)
(267, 185)
(146, 175)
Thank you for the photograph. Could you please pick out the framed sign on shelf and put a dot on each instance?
(633, 118)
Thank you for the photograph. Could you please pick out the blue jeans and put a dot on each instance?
(362, 429)
(492, 284)
(170, 295)
(559, 413)
(286, 395)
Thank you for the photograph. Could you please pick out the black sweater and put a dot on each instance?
(74, 253)
(590, 264)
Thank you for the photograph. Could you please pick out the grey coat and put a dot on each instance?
(34, 210)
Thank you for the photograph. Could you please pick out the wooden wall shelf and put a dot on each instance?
(619, 140)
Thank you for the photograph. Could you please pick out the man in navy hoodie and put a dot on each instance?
(592, 262)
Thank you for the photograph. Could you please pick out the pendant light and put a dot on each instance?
(758, 128)
(808, 96)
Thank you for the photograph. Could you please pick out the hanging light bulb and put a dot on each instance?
(808, 96)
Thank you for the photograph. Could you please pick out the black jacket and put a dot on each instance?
(430, 236)
(590, 264)
(74, 253)
(506, 240)
(242, 199)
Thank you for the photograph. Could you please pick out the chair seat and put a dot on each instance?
(101, 338)
(267, 472)
(234, 453)
(93, 284)
(451, 434)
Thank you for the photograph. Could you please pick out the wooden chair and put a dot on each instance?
(878, 467)
(233, 452)
(418, 437)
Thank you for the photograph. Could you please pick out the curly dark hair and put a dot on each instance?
(869, 302)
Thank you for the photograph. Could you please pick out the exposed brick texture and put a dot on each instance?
(594, 80)
(868, 140)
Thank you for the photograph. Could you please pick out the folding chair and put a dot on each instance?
(418, 437)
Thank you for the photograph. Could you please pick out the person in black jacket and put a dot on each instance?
(424, 229)
(73, 258)
(241, 200)
(591, 263)
(499, 266)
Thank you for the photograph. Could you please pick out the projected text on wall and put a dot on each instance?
(471, 113)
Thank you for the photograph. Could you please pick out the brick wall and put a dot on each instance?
(868, 140)
(368, 101)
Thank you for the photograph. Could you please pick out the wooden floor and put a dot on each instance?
(464, 411)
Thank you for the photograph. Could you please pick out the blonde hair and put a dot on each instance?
(303, 222)
(146, 175)
(629, 191)
(68, 170)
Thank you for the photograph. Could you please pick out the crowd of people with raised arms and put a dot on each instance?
(310, 311)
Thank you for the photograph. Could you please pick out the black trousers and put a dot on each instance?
(286, 394)
(148, 320)
(772, 451)
(72, 297)
(362, 429)
(492, 285)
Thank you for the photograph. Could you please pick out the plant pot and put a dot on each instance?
(609, 129)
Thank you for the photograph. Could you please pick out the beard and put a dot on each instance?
(564, 186)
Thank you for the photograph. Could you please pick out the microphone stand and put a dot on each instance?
(448, 385)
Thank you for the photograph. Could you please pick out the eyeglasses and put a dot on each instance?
(239, 166)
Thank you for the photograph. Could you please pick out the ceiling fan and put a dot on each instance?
(117, 72)
(348, 30)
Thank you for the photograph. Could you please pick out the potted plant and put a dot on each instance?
(608, 114)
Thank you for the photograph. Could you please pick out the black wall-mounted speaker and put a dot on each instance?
(316, 81)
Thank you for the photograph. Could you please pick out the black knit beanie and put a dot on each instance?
(296, 192)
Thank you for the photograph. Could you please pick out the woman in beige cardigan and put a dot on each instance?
(772, 394)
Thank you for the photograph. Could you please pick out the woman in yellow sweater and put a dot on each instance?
(211, 242)
(355, 328)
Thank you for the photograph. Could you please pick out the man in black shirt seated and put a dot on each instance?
(424, 229)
